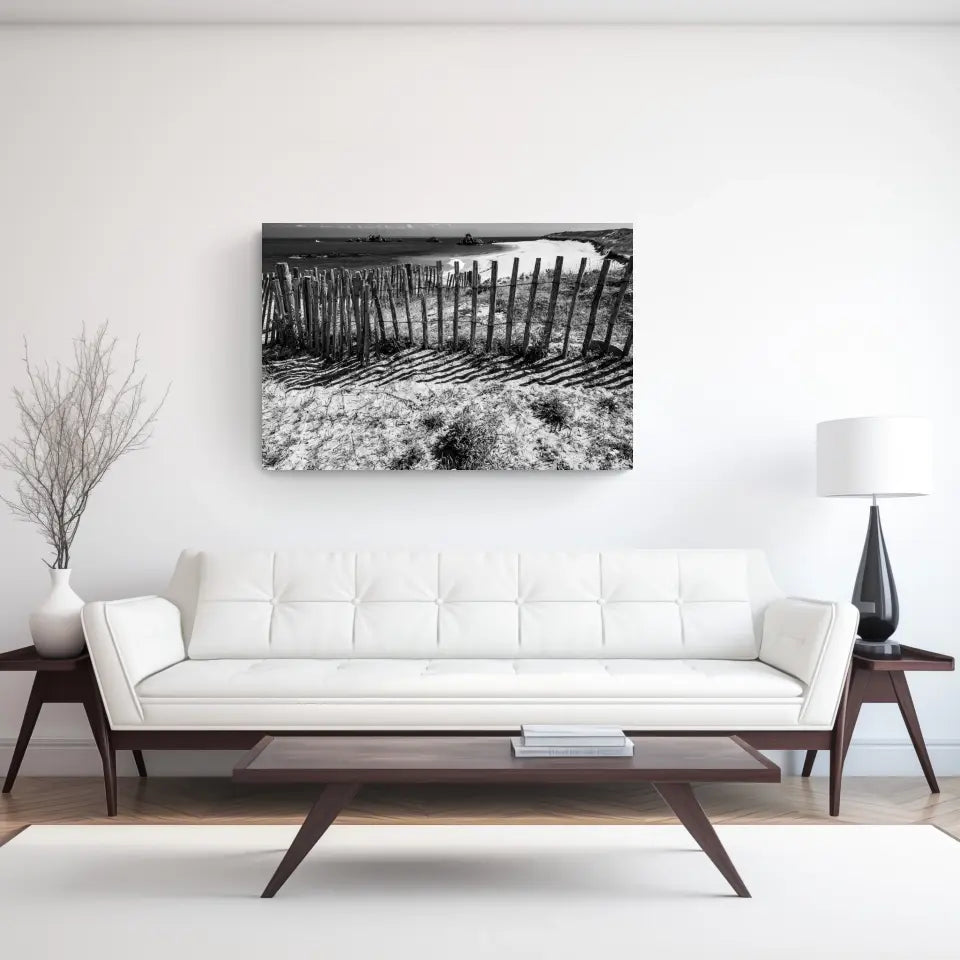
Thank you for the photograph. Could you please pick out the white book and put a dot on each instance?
(522, 750)
(575, 741)
(559, 735)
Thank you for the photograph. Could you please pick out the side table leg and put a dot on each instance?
(682, 801)
(333, 799)
(108, 756)
(141, 766)
(34, 703)
(909, 713)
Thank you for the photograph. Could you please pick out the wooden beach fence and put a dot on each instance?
(343, 315)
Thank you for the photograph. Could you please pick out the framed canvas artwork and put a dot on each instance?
(447, 346)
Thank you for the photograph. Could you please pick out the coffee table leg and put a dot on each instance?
(333, 799)
(681, 800)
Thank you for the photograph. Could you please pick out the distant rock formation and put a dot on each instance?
(469, 240)
(373, 238)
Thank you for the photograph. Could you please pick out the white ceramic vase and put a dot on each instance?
(55, 624)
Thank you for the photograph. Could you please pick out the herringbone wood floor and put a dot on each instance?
(219, 800)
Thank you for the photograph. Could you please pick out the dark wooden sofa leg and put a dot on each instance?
(808, 763)
(141, 766)
(836, 775)
(840, 741)
(97, 717)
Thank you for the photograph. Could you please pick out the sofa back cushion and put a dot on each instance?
(668, 604)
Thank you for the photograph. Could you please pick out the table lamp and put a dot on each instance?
(875, 457)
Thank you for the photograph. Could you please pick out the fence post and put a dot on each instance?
(303, 283)
(346, 338)
(423, 309)
(307, 298)
(298, 321)
(629, 343)
(492, 317)
(330, 347)
(312, 291)
(551, 308)
(266, 310)
(456, 304)
(323, 334)
(473, 302)
(594, 306)
(573, 306)
(330, 324)
(531, 303)
(381, 329)
(264, 303)
(312, 303)
(440, 303)
(285, 280)
(333, 308)
(344, 297)
(276, 312)
(615, 309)
(508, 336)
(357, 315)
(366, 324)
(393, 314)
(407, 283)
(309, 322)
(335, 340)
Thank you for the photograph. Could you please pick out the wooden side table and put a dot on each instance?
(63, 681)
(883, 680)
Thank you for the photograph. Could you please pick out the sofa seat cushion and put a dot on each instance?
(326, 680)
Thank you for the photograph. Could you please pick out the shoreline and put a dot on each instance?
(527, 252)
(604, 242)
(355, 253)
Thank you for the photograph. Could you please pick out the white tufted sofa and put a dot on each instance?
(656, 640)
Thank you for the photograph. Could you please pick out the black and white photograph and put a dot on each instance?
(447, 346)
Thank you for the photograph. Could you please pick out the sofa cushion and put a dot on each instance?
(317, 680)
(665, 604)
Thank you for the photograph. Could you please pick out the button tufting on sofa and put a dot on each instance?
(303, 640)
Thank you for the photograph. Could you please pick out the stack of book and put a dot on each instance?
(565, 740)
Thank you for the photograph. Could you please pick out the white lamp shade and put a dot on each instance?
(874, 457)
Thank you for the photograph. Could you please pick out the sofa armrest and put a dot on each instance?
(128, 640)
(812, 640)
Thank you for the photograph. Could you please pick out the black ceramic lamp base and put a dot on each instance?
(878, 649)
(875, 595)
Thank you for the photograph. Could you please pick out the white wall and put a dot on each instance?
(797, 212)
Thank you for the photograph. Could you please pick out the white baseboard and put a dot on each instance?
(79, 758)
(878, 758)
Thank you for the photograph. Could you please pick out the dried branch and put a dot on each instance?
(75, 423)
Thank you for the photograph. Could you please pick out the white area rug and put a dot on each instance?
(464, 892)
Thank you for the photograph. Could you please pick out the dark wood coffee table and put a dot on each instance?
(344, 764)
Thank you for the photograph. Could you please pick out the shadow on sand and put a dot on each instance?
(444, 368)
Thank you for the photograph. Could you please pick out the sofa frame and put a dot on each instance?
(836, 741)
